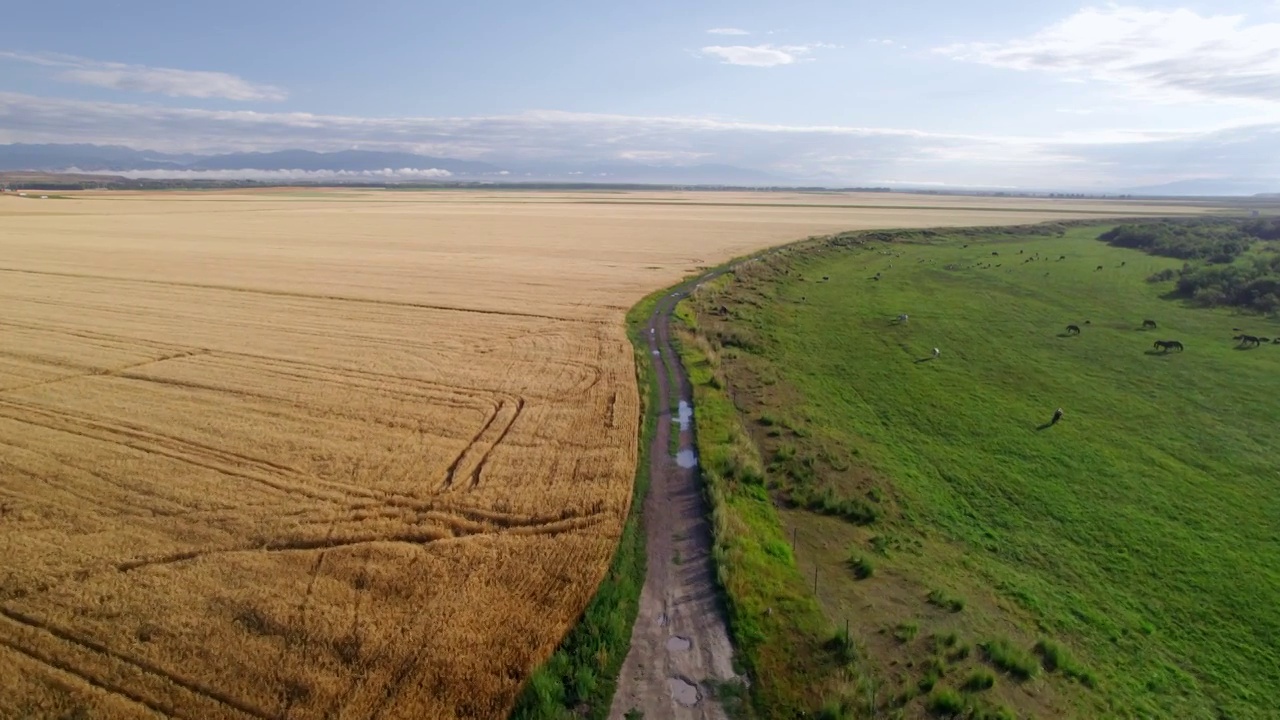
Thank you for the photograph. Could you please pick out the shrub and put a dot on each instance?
(906, 632)
(844, 647)
(1010, 658)
(862, 566)
(980, 680)
(945, 600)
(946, 702)
(927, 682)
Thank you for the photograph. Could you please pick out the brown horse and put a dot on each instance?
(1167, 345)
(1073, 329)
(1248, 340)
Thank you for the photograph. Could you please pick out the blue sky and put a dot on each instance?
(990, 92)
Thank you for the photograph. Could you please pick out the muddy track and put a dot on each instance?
(680, 648)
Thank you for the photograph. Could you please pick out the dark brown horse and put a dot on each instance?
(1167, 345)
(1073, 329)
(1148, 324)
(1248, 340)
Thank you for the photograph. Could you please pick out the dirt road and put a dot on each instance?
(680, 648)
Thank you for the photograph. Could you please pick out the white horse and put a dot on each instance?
(936, 353)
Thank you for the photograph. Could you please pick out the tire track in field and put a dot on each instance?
(471, 461)
(97, 372)
(419, 537)
(126, 342)
(86, 644)
(276, 476)
(65, 668)
(295, 294)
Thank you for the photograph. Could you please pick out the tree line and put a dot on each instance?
(1230, 262)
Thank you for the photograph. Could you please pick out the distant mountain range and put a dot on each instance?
(358, 164)
(380, 166)
(1211, 187)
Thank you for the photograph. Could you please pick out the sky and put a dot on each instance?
(990, 93)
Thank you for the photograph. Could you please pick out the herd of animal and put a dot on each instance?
(1244, 339)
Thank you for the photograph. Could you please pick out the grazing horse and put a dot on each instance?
(1073, 329)
(1276, 341)
(1098, 268)
(1167, 345)
(1248, 340)
(1148, 324)
(902, 319)
(936, 353)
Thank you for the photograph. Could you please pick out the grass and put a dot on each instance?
(1057, 658)
(946, 702)
(580, 677)
(1007, 656)
(1121, 530)
(980, 680)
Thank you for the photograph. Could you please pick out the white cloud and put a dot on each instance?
(141, 78)
(759, 55)
(826, 153)
(1170, 56)
(388, 174)
(729, 31)
(660, 155)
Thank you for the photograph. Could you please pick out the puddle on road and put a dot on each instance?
(686, 459)
(676, 643)
(684, 692)
(685, 415)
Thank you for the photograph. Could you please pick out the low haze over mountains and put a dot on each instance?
(355, 165)
(381, 166)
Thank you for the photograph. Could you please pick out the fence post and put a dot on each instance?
(815, 579)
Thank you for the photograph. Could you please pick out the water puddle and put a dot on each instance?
(685, 415)
(675, 643)
(686, 459)
(684, 692)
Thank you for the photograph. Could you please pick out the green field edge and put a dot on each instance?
(798, 662)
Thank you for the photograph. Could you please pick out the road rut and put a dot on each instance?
(680, 648)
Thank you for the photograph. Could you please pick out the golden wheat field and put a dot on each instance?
(349, 454)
